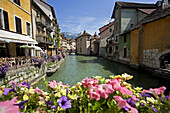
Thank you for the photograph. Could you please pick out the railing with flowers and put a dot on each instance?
(38, 60)
(92, 95)
(4, 67)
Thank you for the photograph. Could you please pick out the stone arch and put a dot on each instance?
(160, 57)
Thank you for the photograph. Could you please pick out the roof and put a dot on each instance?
(147, 11)
(133, 5)
(84, 34)
(155, 15)
(47, 9)
(105, 27)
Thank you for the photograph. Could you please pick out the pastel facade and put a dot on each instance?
(15, 28)
(150, 44)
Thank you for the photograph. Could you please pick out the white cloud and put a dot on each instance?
(78, 24)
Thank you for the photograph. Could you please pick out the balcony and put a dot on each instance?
(43, 39)
(49, 28)
(40, 22)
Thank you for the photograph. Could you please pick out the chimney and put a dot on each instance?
(159, 3)
(84, 32)
(165, 4)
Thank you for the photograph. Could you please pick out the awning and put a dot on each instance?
(51, 47)
(27, 46)
(37, 48)
(17, 38)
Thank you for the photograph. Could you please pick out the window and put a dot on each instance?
(37, 13)
(39, 31)
(125, 53)
(80, 50)
(116, 39)
(28, 28)
(110, 30)
(18, 25)
(1, 25)
(125, 38)
(117, 26)
(131, 25)
(17, 2)
(6, 22)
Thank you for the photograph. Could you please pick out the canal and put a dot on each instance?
(75, 68)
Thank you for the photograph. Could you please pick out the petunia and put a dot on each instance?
(64, 102)
(6, 90)
(53, 107)
(48, 103)
(155, 91)
(94, 93)
(37, 90)
(88, 82)
(8, 106)
(21, 104)
(131, 102)
(104, 90)
(121, 103)
(12, 82)
(26, 84)
(52, 84)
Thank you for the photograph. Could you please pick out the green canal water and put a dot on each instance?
(75, 68)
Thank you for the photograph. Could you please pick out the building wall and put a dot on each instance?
(123, 45)
(150, 42)
(22, 11)
(128, 17)
(134, 47)
(156, 41)
(103, 37)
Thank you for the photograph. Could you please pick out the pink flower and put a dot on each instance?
(12, 82)
(9, 107)
(52, 84)
(88, 82)
(121, 103)
(94, 93)
(116, 84)
(37, 90)
(104, 90)
(156, 91)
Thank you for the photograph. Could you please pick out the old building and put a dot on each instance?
(105, 32)
(44, 25)
(83, 44)
(150, 40)
(94, 44)
(15, 28)
(127, 14)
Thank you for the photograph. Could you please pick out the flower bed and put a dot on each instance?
(38, 60)
(91, 95)
(53, 58)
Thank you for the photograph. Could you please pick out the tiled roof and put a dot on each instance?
(105, 27)
(84, 34)
(133, 5)
(147, 11)
(155, 15)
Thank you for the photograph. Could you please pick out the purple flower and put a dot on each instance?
(145, 95)
(64, 102)
(155, 110)
(53, 107)
(21, 104)
(26, 84)
(131, 102)
(125, 108)
(166, 97)
(142, 104)
(6, 90)
(48, 103)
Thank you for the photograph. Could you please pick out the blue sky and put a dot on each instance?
(78, 15)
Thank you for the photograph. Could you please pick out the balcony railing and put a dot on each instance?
(49, 28)
(40, 22)
(43, 39)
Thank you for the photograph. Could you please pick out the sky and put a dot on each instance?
(75, 16)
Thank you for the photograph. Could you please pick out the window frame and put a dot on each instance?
(26, 28)
(15, 23)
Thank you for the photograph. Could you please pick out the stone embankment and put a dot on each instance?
(30, 74)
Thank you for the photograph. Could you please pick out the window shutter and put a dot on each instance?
(0, 19)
